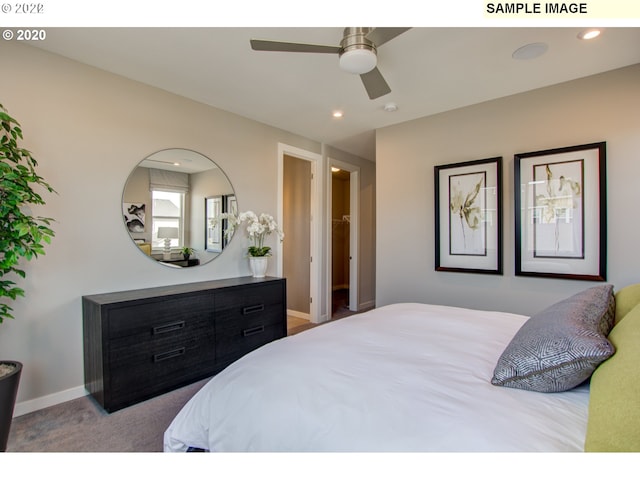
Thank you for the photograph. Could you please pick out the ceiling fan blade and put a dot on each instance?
(375, 84)
(271, 46)
(382, 35)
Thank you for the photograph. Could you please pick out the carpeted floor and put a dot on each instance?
(81, 425)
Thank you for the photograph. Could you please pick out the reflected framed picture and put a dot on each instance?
(230, 206)
(213, 229)
(134, 217)
(560, 213)
(468, 216)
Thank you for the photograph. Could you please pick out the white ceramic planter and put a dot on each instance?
(258, 266)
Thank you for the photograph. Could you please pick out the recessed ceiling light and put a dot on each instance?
(589, 34)
(531, 51)
(335, 169)
(337, 114)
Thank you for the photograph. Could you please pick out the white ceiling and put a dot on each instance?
(429, 70)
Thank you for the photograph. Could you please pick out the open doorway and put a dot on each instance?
(344, 239)
(298, 256)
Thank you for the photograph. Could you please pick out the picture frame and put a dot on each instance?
(468, 217)
(134, 217)
(212, 229)
(230, 205)
(561, 213)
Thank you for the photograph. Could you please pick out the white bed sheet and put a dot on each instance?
(400, 378)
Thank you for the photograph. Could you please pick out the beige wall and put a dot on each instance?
(604, 107)
(88, 129)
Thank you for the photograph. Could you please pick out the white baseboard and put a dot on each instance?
(29, 406)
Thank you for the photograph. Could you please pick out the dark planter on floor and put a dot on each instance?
(8, 394)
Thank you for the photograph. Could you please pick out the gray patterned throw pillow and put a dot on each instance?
(560, 347)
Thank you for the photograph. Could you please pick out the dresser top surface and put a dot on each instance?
(143, 293)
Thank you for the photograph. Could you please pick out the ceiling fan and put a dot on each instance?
(357, 53)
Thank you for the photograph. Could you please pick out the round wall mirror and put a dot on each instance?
(169, 204)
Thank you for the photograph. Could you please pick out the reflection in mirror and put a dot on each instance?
(169, 202)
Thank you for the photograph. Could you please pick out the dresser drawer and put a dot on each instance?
(156, 316)
(248, 317)
(167, 329)
(247, 308)
(231, 344)
(154, 368)
(249, 299)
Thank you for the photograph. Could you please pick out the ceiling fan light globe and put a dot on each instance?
(358, 61)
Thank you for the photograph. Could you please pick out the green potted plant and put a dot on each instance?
(22, 236)
(186, 252)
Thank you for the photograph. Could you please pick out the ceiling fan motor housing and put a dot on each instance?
(357, 52)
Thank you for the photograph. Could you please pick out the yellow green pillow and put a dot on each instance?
(614, 402)
(626, 299)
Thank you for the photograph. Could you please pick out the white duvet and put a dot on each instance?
(400, 378)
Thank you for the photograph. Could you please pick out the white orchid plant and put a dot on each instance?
(258, 228)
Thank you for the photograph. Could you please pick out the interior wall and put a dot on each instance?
(603, 107)
(296, 225)
(88, 129)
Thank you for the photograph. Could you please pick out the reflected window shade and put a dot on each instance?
(168, 181)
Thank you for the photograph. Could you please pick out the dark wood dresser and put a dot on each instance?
(142, 343)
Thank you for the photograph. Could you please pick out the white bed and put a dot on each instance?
(400, 378)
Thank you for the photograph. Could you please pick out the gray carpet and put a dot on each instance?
(81, 425)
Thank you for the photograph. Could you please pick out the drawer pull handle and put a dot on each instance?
(169, 327)
(252, 331)
(170, 354)
(253, 309)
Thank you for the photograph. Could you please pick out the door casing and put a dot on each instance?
(315, 236)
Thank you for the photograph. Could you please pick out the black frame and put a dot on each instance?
(444, 261)
(589, 262)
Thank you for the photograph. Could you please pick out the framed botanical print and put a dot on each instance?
(468, 216)
(560, 212)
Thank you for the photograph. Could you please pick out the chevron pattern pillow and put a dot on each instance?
(560, 347)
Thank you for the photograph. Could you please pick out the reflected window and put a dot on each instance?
(168, 211)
